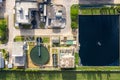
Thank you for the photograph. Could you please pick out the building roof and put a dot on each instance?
(19, 61)
(22, 11)
(17, 49)
(66, 58)
(18, 54)
(1, 61)
(67, 62)
(56, 15)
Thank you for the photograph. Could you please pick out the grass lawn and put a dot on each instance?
(23, 38)
(98, 11)
(45, 39)
(76, 58)
(62, 75)
(4, 53)
(19, 38)
(74, 16)
(98, 68)
(3, 31)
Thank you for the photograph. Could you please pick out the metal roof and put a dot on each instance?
(1, 61)
(19, 61)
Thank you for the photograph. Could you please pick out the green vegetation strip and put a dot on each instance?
(3, 31)
(23, 38)
(5, 53)
(79, 68)
(58, 75)
(98, 68)
(99, 11)
(77, 10)
(74, 16)
(77, 58)
(45, 39)
(19, 38)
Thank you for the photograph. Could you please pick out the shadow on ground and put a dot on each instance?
(56, 30)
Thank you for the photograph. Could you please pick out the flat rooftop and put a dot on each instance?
(17, 49)
(66, 58)
(56, 15)
(1, 61)
(18, 54)
(22, 11)
(19, 61)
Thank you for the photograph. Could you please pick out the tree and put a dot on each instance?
(3, 26)
(74, 25)
(2, 35)
(5, 54)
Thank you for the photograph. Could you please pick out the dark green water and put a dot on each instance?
(99, 40)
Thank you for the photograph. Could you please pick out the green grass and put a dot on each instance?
(45, 39)
(24, 38)
(74, 16)
(19, 38)
(98, 68)
(3, 31)
(99, 11)
(60, 75)
(5, 53)
(76, 58)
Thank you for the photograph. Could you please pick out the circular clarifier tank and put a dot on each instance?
(39, 57)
